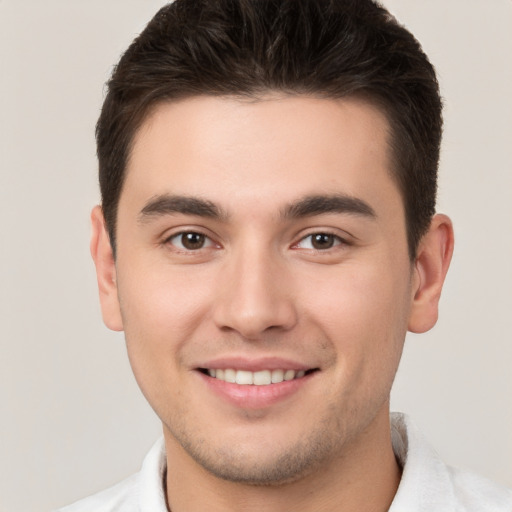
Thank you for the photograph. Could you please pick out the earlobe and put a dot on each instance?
(102, 254)
(431, 265)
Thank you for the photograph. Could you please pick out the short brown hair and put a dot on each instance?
(325, 48)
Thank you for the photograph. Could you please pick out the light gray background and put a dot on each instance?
(72, 420)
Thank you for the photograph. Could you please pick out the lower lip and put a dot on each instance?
(255, 397)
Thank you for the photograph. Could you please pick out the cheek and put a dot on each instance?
(162, 297)
(364, 313)
(161, 310)
(357, 296)
(363, 318)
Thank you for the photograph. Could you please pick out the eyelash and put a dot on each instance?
(335, 240)
(205, 239)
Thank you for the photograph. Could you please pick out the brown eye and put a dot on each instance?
(322, 241)
(190, 241)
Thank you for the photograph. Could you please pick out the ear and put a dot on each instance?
(430, 268)
(103, 256)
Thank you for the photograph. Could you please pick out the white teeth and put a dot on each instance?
(260, 378)
(263, 378)
(230, 375)
(277, 376)
(289, 375)
(243, 377)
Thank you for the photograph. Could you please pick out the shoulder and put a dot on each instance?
(141, 491)
(429, 484)
(474, 493)
(120, 497)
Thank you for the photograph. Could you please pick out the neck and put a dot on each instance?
(364, 478)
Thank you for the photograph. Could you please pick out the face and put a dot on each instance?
(263, 279)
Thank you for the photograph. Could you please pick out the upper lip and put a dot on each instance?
(254, 364)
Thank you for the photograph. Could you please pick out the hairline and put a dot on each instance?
(262, 94)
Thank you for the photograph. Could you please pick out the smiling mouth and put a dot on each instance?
(259, 378)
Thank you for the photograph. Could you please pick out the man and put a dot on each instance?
(267, 235)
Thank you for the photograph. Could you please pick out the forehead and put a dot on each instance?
(276, 147)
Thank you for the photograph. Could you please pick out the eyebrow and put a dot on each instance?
(308, 206)
(166, 204)
(323, 204)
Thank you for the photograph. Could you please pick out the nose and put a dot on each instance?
(256, 295)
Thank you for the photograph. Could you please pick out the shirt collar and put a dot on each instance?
(425, 484)
(152, 480)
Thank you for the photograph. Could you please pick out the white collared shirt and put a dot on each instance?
(427, 484)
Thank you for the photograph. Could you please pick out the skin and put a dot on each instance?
(259, 289)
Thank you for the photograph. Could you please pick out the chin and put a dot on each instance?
(263, 464)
